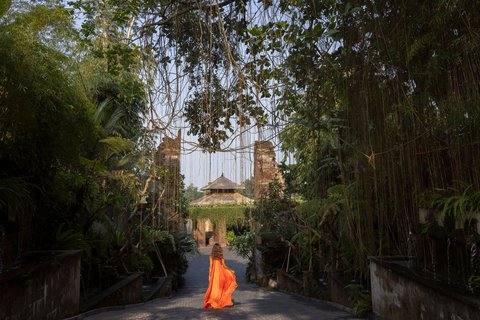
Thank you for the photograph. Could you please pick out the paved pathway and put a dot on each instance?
(251, 302)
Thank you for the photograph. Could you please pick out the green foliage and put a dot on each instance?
(320, 224)
(152, 236)
(232, 214)
(141, 262)
(275, 218)
(243, 245)
(46, 122)
(71, 130)
(175, 257)
(248, 191)
(199, 114)
(67, 239)
(4, 6)
(15, 196)
(115, 145)
(120, 98)
(230, 236)
(316, 146)
(474, 282)
(274, 212)
(192, 193)
(384, 118)
(461, 201)
(457, 206)
(362, 301)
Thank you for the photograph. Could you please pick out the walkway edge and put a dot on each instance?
(92, 312)
(330, 303)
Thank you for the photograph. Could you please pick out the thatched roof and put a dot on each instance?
(221, 198)
(222, 183)
(221, 191)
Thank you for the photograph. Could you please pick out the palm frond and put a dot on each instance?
(101, 111)
(115, 145)
(15, 196)
(127, 179)
(114, 119)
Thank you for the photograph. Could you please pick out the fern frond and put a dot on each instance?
(116, 145)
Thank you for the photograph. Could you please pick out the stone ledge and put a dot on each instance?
(41, 285)
(35, 260)
(391, 262)
(162, 289)
(92, 312)
(126, 291)
(401, 293)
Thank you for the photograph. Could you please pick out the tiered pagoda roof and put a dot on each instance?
(221, 191)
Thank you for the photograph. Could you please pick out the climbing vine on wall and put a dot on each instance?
(233, 214)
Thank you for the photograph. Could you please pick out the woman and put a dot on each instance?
(221, 281)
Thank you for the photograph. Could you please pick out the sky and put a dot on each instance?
(199, 168)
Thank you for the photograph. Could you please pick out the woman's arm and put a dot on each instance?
(210, 270)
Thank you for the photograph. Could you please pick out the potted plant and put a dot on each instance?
(427, 211)
(459, 202)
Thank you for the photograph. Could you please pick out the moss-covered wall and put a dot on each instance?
(232, 214)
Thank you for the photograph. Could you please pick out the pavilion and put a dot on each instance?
(221, 199)
(222, 191)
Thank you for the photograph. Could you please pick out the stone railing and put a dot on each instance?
(126, 291)
(399, 292)
(41, 285)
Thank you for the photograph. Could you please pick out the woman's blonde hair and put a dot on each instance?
(217, 252)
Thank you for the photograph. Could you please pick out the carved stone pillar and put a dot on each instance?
(221, 232)
(168, 157)
(265, 171)
(265, 168)
(201, 233)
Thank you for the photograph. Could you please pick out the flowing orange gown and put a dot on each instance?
(221, 285)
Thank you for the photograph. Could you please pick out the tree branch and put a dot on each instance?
(193, 6)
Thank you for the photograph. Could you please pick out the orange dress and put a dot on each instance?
(221, 285)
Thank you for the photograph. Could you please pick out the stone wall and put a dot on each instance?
(162, 289)
(200, 233)
(221, 233)
(288, 282)
(265, 168)
(336, 289)
(398, 293)
(169, 152)
(207, 234)
(46, 285)
(126, 291)
(168, 157)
